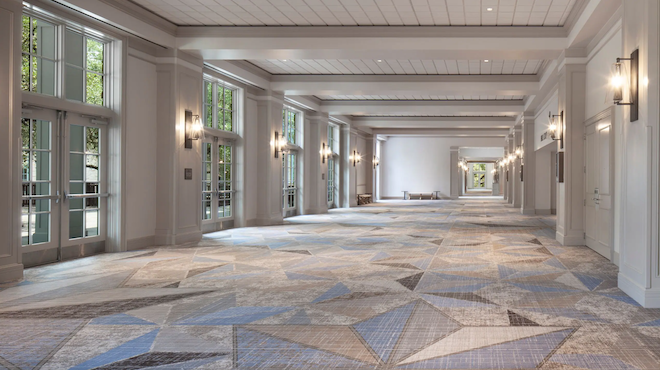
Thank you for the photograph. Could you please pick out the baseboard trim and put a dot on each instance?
(141, 243)
(251, 222)
(543, 212)
(193, 236)
(10, 273)
(569, 239)
(648, 298)
(391, 198)
(615, 258)
(529, 212)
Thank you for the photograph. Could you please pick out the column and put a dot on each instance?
(570, 198)
(454, 173)
(528, 204)
(179, 217)
(515, 168)
(315, 170)
(345, 167)
(352, 169)
(509, 170)
(11, 266)
(269, 168)
(638, 167)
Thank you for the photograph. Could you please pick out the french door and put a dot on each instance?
(217, 185)
(598, 188)
(290, 183)
(64, 177)
(332, 182)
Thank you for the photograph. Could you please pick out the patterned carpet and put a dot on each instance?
(467, 284)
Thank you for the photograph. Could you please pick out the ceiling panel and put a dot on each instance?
(399, 67)
(427, 115)
(420, 97)
(362, 12)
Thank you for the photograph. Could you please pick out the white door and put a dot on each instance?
(64, 186)
(598, 188)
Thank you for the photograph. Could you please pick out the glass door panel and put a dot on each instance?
(39, 207)
(84, 207)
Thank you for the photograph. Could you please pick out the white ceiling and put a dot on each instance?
(400, 67)
(420, 97)
(426, 115)
(550, 13)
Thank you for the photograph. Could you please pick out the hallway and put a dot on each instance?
(410, 285)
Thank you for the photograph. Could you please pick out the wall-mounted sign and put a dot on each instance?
(187, 174)
(560, 167)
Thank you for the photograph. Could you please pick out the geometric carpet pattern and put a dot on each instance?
(467, 284)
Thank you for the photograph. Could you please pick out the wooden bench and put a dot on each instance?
(363, 199)
(421, 195)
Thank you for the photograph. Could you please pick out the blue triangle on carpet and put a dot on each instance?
(334, 292)
(589, 281)
(137, 346)
(383, 331)
(554, 262)
(651, 323)
(300, 318)
(258, 350)
(505, 271)
(622, 298)
(380, 256)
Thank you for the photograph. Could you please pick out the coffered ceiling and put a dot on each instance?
(549, 13)
(399, 67)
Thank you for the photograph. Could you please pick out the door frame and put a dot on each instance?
(609, 115)
(60, 246)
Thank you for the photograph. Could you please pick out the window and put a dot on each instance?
(37, 180)
(333, 138)
(217, 196)
(289, 178)
(478, 175)
(84, 179)
(82, 74)
(219, 103)
(85, 68)
(39, 45)
(290, 126)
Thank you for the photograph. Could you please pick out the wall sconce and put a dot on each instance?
(193, 129)
(519, 152)
(376, 162)
(557, 129)
(325, 152)
(356, 158)
(512, 157)
(618, 82)
(279, 143)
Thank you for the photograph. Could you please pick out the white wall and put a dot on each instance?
(422, 163)
(361, 169)
(495, 153)
(541, 121)
(141, 149)
(599, 67)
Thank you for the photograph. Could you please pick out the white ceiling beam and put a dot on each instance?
(596, 14)
(116, 14)
(445, 108)
(441, 132)
(405, 84)
(421, 43)
(503, 123)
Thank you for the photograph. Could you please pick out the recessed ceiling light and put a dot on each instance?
(284, 60)
(380, 61)
(489, 9)
(486, 60)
